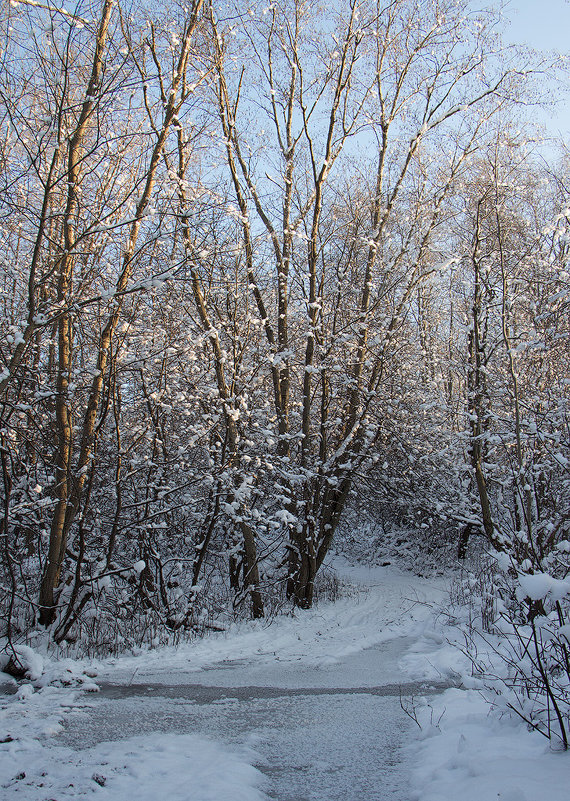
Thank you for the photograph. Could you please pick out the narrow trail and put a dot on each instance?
(317, 743)
(321, 713)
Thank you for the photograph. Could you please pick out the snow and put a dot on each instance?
(390, 603)
(301, 708)
(539, 585)
(183, 767)
(467, 748)
(471, 755)
(30, 662)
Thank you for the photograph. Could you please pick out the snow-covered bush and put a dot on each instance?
(518, 639)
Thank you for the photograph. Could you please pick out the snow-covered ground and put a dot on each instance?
(386, 603)
(302, 708)
(466, 751)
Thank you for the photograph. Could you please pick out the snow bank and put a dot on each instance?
(30, 662)
(42, 669)
(464, 752)
(466, 749)
(176, 767)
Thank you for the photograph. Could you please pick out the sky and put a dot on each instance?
(544, 25)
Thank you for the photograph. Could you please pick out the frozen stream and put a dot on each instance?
(320, 736)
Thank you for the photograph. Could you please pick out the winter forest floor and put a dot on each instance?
(305, 708)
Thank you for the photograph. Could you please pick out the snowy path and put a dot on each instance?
(312, 701)
(317, 743)
(316, 698)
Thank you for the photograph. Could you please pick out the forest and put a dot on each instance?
(265, 270)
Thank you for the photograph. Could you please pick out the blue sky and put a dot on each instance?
(544, 25)
(541, 23)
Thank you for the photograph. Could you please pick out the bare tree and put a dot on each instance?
(368, 82)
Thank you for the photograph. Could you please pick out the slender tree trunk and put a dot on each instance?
(59, 528)
(70, 492)
(477, 393)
